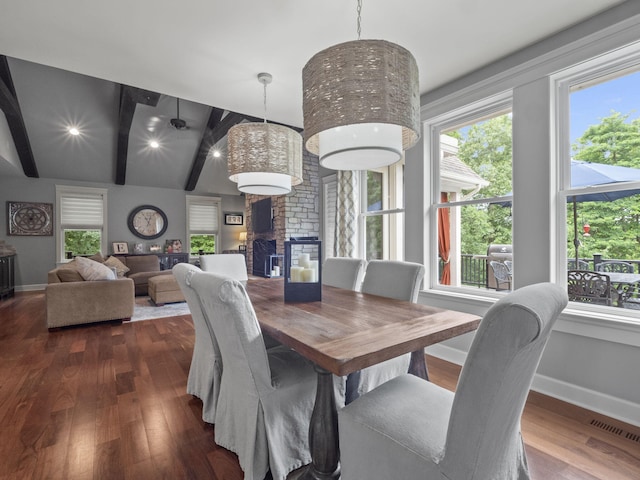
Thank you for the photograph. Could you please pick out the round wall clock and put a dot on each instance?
(147, 222)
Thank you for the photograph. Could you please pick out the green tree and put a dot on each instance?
(206, 243)
(487, 149)
(82, 242)
(615, 227)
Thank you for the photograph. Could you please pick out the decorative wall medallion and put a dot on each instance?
(27, 218)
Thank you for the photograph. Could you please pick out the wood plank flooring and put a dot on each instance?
(108, 401)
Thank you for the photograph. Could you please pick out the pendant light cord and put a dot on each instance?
(359, 10)
(265, 102)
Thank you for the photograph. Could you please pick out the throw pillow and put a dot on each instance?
(120, 267)
(97, 257)
(92, 270)
(69, 275)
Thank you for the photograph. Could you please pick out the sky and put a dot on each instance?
(590, 105)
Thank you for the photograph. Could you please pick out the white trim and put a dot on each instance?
(207, 201)
(608, 405)
(61, 191)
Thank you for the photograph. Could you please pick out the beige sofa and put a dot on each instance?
(73, 302)
(141, 269)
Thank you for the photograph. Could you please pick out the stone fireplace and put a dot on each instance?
(294, 215)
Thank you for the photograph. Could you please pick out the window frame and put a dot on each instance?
(205, 201)
(594, 71)
(69, 190)
(393, 191)
(472, 112)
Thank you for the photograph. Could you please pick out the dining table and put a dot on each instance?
(343, 333)
(620, 283)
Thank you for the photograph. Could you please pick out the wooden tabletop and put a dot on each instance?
(347, 330)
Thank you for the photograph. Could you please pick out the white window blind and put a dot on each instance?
(203, 218)
(81, 211)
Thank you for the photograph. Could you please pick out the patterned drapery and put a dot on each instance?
(346, 214)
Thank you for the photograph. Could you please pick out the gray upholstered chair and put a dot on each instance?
(229, 264)
(343, 272)
(206, 362)
(392, 279)
(409, 428)
(266, 396)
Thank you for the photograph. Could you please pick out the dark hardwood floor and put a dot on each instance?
(108, 401)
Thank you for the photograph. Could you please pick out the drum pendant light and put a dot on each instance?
(263, 158)
(361, 103)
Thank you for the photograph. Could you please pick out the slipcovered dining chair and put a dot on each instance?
(206, 362)
(343, 272)
(228, 264)
(391, 279)
(409, 428)
(266, 396)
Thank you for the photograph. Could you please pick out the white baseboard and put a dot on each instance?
(30, 288)
(613, 407)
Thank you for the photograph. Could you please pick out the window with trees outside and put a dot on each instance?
(599, 108)
(382, 216)
(473, 216)
(203, 220)
(82, 226)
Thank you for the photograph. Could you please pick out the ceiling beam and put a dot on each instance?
(11, 108)
(217, 128)
(129, 98)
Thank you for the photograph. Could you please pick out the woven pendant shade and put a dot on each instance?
(361, 82)
(264, 159)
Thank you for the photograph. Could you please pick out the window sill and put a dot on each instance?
(597, 322)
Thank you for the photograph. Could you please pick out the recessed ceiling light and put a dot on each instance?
(154, 144)
(74, 131)
(216, 154)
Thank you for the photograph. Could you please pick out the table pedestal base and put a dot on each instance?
(323, 432)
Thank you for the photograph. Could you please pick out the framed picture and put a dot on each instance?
(233, 219)
(120, 247)
(28, 218)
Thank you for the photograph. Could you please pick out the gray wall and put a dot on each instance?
(36, 255)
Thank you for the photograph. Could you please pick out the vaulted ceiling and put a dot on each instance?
(115, 70)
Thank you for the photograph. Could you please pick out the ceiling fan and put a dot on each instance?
(177, 122)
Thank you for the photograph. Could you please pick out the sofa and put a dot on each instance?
(140, 269)
(72, 300)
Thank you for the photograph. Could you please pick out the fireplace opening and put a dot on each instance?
(261, 250)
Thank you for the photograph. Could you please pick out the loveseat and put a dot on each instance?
(72, 300)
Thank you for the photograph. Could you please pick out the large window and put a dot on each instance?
(82, 226)
(473, 215)
(599, 108)
(203, 220)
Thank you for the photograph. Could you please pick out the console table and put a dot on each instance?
(7, 276)
(167, 260)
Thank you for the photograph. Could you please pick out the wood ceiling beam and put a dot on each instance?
(129, 98)
(10, 106)
(217, 128)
